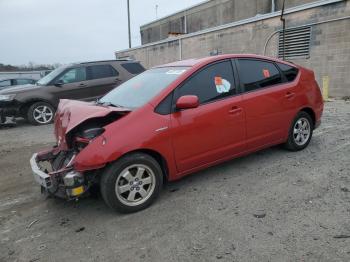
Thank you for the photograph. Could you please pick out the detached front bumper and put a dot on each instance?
(64, 182)
(40, 176)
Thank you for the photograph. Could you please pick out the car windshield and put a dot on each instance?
(142, 88)
(49, 77)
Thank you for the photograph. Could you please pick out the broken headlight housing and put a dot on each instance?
(91, 133)
(84, 137)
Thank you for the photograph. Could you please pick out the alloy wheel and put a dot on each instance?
(301, 131)
(43, 114)
(135, 185)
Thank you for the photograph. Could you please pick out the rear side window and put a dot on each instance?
(101, 71)
(256, 74)
(133, 68)
(289, 72)
(213, 82)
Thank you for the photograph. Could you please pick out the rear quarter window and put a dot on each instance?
(133, 68)
(289, 72)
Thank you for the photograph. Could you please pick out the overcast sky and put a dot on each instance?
(63, 31)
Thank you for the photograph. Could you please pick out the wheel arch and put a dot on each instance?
(157, 156)
(311, 112)
(25, 105)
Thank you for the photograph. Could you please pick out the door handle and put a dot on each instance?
(290, 95)
(82, 85)
(117, 80)
(235, 110)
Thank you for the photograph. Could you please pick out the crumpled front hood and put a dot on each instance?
(72, 113)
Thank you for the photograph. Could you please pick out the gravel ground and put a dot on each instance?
(273, 205)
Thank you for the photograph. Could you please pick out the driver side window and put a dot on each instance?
(74, 75)
(212, 83)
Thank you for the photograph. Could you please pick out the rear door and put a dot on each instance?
(216, 129)
(102, 79)
(268, 102)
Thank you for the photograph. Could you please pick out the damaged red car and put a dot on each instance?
(173, 120)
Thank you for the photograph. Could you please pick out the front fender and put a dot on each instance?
(141, 130)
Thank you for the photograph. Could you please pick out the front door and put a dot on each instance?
(216, 129)
(73, 85)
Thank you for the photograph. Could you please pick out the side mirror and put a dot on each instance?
(59, 83)
(186, 102)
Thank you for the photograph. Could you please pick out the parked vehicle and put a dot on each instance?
(175, 119)
(84, 81)
(6, 83)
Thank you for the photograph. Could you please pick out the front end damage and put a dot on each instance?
(63, 182)
(76, 125)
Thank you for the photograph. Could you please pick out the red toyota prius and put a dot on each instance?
(173, 120)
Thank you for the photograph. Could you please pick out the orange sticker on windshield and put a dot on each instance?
(218, 80)
(266, 73)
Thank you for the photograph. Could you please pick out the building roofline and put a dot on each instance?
(238, 23)
(177, 12)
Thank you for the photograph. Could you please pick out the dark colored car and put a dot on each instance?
(176, 119)
(6, 83)
(83, 81)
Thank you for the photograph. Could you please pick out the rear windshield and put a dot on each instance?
(142, 88)
(133, 68)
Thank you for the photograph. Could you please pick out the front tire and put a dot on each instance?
(40, 113)
(300, 132)
(131, 183)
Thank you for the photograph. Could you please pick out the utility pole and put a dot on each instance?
(284, 31)
(129, 24)
(156, 11)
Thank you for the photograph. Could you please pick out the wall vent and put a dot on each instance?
(297, 43)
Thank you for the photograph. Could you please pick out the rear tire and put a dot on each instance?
(131, 183)
(40, 113)
(300, 132)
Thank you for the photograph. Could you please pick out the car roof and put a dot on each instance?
(205, 60)
(104, 61)
(98, 62)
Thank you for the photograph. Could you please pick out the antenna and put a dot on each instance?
(156, 11)
(283, 31)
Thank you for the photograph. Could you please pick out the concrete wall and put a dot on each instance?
(329, 47)
(36, 75)
(206, 15)
(210, 14)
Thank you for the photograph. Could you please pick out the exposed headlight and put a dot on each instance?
(73, 178)
(7, 97)
(92, 132)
